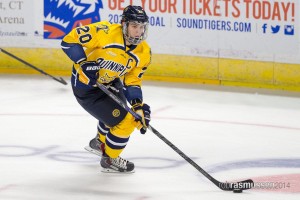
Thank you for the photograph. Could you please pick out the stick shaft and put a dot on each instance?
(30, 65)
(221, 185)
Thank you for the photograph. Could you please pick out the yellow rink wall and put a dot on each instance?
(172, 68)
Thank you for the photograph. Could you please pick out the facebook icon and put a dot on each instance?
(264, 27)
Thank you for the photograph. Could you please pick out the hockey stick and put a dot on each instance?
(237, 186)
(61, 80)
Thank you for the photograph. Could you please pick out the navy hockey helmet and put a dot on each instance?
(135, 14)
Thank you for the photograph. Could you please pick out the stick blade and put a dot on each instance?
(61, 80)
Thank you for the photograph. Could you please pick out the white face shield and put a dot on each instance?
(139, 39)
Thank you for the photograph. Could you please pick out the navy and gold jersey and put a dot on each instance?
(104, 43)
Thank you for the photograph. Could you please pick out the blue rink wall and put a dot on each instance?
(171, 68)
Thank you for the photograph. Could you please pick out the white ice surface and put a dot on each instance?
(232, 133)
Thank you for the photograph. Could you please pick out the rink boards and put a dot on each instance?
(171, 68)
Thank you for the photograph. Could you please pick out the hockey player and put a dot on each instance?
(115, 55)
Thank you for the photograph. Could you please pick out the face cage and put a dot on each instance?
(132, 40)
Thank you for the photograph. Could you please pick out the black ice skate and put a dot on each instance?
(95, 147)
(115, 165)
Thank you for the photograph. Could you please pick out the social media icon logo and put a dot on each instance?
(264, 27)
(275, 29)
(289, 29)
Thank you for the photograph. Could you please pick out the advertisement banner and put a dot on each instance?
(17, 23)
(233, 28)
(207, 26)
(255, 29)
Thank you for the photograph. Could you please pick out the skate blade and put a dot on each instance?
(89, 149)
(107, 170)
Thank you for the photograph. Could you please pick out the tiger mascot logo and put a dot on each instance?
(61, 16)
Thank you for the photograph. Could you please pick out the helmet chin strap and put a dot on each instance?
(128, 43)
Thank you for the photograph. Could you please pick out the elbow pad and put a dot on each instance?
(74, 51)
